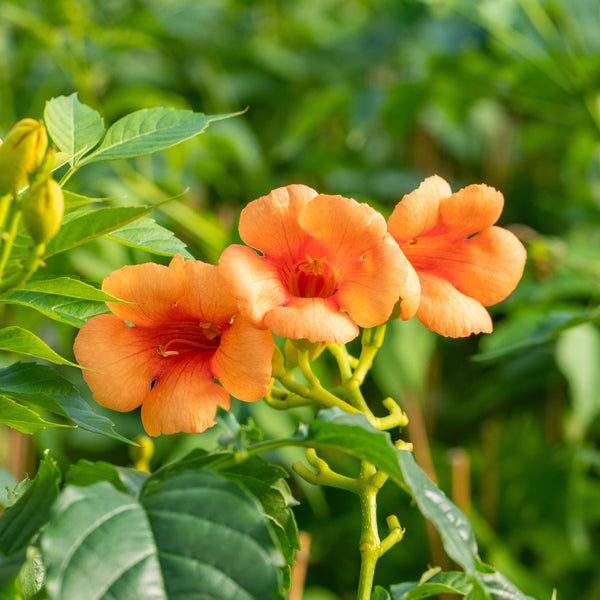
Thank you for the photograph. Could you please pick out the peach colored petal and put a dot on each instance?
(270, 223)
(410, 294)
(124, 361)
(346, 228)
(242, 362)
(254, 280)
(447, 311)
(418, 212)
(491, 265)
(184, 399)
(153, 288)
(370, 290)
(314, 319)
(205, 295)
(471, 209)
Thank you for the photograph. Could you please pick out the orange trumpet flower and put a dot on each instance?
(328, 265)
(461, 262)
(164, 349)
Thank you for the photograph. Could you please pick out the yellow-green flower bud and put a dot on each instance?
(21, 154)
(43, 208)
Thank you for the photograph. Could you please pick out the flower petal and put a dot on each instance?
(206, 296)
(254, 281)
(152, 288)
(314, 319)
(471, 209)
(242, 362)
(270, 223)
(124, 361)
(371, 289)
(184, 399)
(345, 227)
(447, 311)
(491, 265)
(418, 212)
(410, 294)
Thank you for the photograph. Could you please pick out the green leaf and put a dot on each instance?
(22, 341)
(448, 582)
(73, 125)
(192, 535)
(578, 357)
(380, 593)
(75, 201)
(456, 532)
(58, 308)
(20, 522)
(150, 130)
(499, 588)
(146, 234)
(67, 286)
(85, 225)
(123, 479)
(39, 387)
(21, 418)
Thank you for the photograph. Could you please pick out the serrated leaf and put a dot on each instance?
(20, 522)
(71, 311)
(150, 130)
(21, 418)
(38, 386)
(72, 125)
(193, 535)
(146, 234)
(22, 341)
(85, 225)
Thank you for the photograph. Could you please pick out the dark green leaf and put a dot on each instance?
(193, 535)
(150, 130)
(124, 479)
(20, 522)
(73, 125)
(448, 582)
(380, 593)
(38, 386)
(457, 535)
(499, 588)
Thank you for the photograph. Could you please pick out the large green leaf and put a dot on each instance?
(22, 341)
(73, 125)
(40, 388)
(84, 225)
(146, 234)
(20, 522)
(195, 535)
(150, 130)
(67, 286)
(62, 309)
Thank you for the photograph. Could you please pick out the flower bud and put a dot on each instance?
(43, 208)
(21, 154)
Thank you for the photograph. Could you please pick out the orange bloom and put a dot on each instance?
(328, 265)
(184, 335)
(461, 262)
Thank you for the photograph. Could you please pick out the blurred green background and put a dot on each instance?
(365, 99)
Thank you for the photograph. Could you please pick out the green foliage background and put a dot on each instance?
(366, 98)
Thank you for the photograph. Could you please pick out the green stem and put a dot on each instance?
(67, 176)
(4, 206)
(30, 266)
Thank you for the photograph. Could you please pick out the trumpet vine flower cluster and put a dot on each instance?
(315, 267)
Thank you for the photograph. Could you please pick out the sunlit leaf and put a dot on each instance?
(22, 341)
(73, 125)
(150, 130)
(21, 418)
